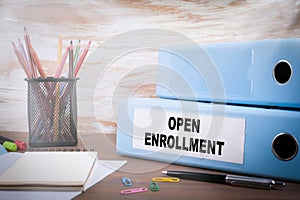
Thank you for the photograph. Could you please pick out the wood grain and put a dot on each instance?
(202, 21)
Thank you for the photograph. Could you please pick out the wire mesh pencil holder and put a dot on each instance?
(52, 112)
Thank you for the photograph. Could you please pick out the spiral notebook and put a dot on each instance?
(67, 171)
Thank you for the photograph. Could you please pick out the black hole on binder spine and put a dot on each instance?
(285, 146)
(282, 72)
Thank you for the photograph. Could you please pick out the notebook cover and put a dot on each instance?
(49, 171)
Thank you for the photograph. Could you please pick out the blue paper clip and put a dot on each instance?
(127, 181)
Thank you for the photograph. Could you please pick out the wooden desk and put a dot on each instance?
(142, 171)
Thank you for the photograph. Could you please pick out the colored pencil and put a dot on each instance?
(62, 63)
(71, 60)
(30, 61)
(59, 50)
(81, 59)
(21, 60)
(56, 112)
(22, 50)
(76, 54)
(37, 62)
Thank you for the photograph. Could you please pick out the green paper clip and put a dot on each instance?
(154, 187)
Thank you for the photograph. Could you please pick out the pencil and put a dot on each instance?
(59, 50)
(56, 112)
(81, 59)
(22, 50)
(71, 72)
(28, 44)
(21, 61)
(37, 62)
(62, 63)
(76, 54)
(57, 95)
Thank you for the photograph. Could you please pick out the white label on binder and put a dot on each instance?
(202, 136)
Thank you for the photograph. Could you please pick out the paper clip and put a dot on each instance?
(127, 181)
(165, 179)
(135, 190)
(154, 186)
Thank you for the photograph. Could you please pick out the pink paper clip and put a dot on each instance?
(134, 190)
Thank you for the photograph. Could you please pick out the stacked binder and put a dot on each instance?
(231, 106)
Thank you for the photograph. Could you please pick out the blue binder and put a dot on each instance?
(248, 140)
(263, 73)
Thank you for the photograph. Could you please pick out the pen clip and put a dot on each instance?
(254, 182)
(165, 179)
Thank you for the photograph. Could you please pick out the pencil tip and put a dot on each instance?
(14, 45)
(25, 28)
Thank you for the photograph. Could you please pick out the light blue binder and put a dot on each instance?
(266, 139)
(263, 73)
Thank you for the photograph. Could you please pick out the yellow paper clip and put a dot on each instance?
(165, 179)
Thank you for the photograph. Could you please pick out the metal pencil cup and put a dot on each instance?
(52, 112)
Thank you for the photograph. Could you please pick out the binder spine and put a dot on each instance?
(264, 142)
(262, 73)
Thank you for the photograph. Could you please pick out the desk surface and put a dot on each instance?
(142, 171)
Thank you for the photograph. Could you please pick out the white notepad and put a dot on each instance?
(49, 171)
